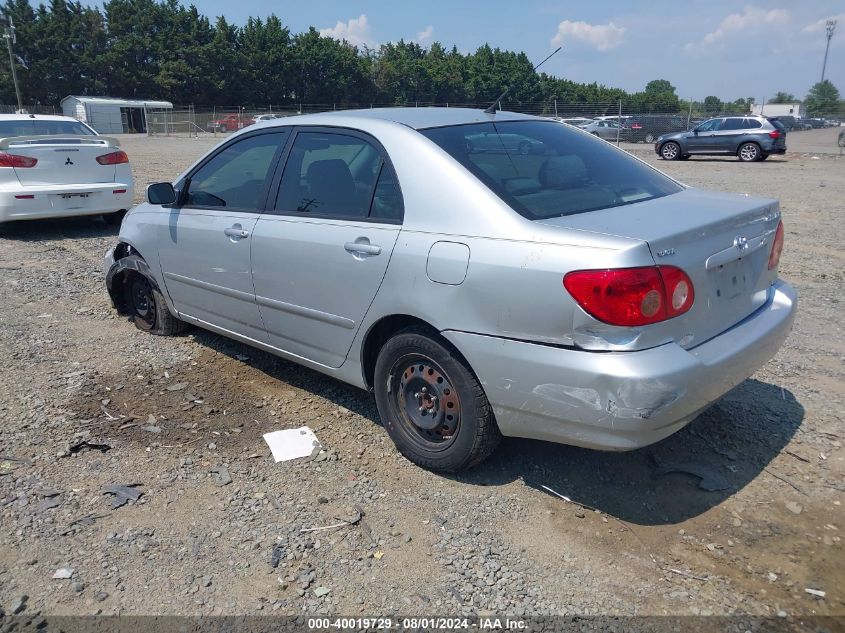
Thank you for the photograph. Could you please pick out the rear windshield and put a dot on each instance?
(42, 127)
(545, 170)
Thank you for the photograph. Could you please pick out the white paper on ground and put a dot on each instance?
(291, 443)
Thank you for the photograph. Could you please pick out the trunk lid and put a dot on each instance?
(63, 159)
(722, 241)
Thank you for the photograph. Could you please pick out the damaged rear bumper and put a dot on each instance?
(620, 400)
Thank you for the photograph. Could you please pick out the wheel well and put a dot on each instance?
(120, 274)
(379, 334)
(748, 143)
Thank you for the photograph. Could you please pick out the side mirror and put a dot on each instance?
(161, 193)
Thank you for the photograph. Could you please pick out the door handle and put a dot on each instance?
(362, 248)
(236, 232)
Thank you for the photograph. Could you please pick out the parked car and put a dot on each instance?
(576, 121)
(501, 143)
(266, 117)
(815, 123)
(559, 296)
(790, 123)
(56, 166)
(230, 123)
(647, 127)
(749, 138)
(608, 130)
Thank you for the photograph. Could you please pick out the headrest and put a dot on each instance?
(563, 172)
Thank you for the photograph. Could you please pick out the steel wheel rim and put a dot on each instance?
(143, 302)
(748, 152)
(649, 138)
(669, 151)
(426, 402)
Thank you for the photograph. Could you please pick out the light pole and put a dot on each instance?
(830, 28)
(9, 34)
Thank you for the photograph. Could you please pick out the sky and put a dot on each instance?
(713, 47)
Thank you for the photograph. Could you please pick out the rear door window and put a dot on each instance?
(335, 175)
(544, 170)
(731, 124)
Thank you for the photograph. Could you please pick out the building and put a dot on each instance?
(109, 115)
(778, 109)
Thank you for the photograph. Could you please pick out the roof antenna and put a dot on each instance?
(492, 108)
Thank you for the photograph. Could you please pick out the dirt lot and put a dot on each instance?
(173, 410)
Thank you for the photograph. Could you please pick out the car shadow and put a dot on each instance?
(58, 228)
(732, 442)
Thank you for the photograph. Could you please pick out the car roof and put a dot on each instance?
(40, 117)
(416, 118)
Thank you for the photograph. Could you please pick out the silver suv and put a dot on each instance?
(749, 138)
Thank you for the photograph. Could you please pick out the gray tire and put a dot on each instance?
(749, 152)
(147, 309)
(431, 403)
(670, 150)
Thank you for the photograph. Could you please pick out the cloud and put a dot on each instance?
(752, 19)
(424, 36)
(356, 32)
(820, 25)
(601, 37)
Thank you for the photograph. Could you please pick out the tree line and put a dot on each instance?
(161, 49)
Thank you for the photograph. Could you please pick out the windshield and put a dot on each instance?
(545, 170)
(42, 127)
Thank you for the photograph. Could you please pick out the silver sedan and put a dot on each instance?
(571, 293)
(608, 130)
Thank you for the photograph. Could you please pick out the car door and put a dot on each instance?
(609, 131)
(204, 248)
(728, 135)
(702, 139)
(321, 251)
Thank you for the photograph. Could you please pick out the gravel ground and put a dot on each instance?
(88, 401)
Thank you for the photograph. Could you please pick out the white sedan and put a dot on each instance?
(55, 166)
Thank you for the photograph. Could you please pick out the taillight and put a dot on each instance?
(777, 248)
(632, 296)
(113, 158)
(14, 160)
(774, 134)
(636, 126)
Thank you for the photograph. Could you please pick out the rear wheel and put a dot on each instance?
(670, 151)
(650, 138)
(749, 152)
(147, 308)
(431, 404)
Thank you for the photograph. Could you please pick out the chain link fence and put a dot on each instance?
(621, 120)
(612, 120)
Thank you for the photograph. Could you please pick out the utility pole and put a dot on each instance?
(9, 34)
(830, 28)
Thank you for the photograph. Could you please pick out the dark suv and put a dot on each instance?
(749, 138)
(647, 127)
